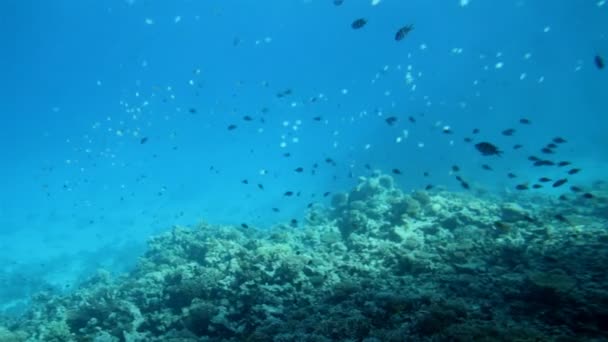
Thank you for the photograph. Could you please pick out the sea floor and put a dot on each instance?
(376, 265)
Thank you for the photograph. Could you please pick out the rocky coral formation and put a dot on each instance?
(379, 265)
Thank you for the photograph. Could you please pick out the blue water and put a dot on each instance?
(84, 81)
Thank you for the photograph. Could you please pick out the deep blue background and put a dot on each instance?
(76, 195)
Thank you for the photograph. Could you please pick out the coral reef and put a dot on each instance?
(379, 265)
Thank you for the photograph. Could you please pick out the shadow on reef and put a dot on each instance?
(379, 265)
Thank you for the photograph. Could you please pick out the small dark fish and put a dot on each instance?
(330, 161)
(391, 120)
(426, 174)
(244, 181)
(563, 163)
(544, 163)
(475, 130)
(244, 225)
(309, 205)
(286, 154)
(599, 62)
(327, 193)
(508, 132)
(488, 149)
(338, 2)
(428, 187)
(192, 110)
(533, 158)
(544, 179)
(143, 140)
(563, 198)
(559, 140)
(359, 23)
(521, 187)
(231, 127)
(465, 185)
(288, 193)
(486, 167)
(447, 130)
(537, 186)
(411, 119)
(455, 168)
(402, 32)
(524, 121)
(467, 139)
(511, 175)
(317, 118)
(517, 146)
(299, 169)
(560, 182)
(293, 222)
(574, 171)
(247, 118)
(576, 189)
(276, 210)
(261, 186)
(587, 195)
(459, 179)
(546, 150)
(551, 145)
(396, 171)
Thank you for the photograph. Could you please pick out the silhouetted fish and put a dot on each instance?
(560, 182)
(486, 167)
(396, 171)
(402, 32)
(521, 187)
(391, 120)
(338, 2)
(599, 62)
(143, 140)
(517, 146)
(546, 150)
(288, 193)
(488, 149)
(508, 132)
(544, 179)
(231, 127)
(563, 163)
(299, 169)
(559, 140)
(511, 175)
(524, 121)
(574, 171)
(359, 23)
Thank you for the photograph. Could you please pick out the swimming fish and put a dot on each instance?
(231, 127)
(544, 179)
(358, 23)
(391, 120)
(299, 169)
(508, 132)
(574, 171)
(338, 2)
(563, 163)
(524, 121)
(560, 182)
(396, 171)
(143, 140)
(559, 140)
(521, 187)
(488, 149)
(486, 167)
(599, 62)
(402, 32)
